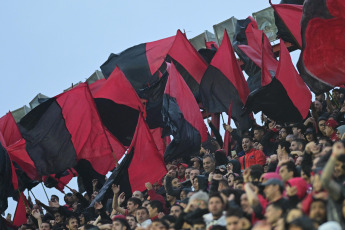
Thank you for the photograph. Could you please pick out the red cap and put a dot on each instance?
(332, 123)
(183, 164)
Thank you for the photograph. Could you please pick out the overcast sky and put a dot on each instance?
(45, 46)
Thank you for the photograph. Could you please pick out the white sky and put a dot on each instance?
(45, 46)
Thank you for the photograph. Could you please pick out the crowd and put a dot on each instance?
(276, 176)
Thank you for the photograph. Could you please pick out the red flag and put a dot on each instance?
(147, 164)
(291, 15)
(210, 43)
(118, 89)
(9, 129)
(292, 82)
(20, 214)
(266, 77)
(160, 142)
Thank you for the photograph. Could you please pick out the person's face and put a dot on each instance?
(183, 195)
(328, 131)
(187, 173)
(309, 137)
(298, 161)
(282, 134)
(215, 206)
(181, 171)
(175, 183)
(170, 198)
(293, 214)
(233, 223)
(318, 106)
(45, 226)
(284, 173)
(118, 226)
(137, 194)
(244, 203)
(54, 199)
(322, 126)
(272, 214)
(247, 144)
(131, 221)
(338, 169)
(152, 212)
(196, 184)
(146, 203)
(156, 186)
(196, 163)
(270, 191)
(131, 206)
(72, 224)
(58, 218)
(175, 211)
(318, 211)
(94, 194)
(208, 164)
(229, 167)
(231, 180)
(81, 219)
(258, 135)
(141, 215)
(194, 173)
(293, 146)
(295, 131)
(158, 226)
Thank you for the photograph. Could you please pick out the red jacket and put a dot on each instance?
(253, 157)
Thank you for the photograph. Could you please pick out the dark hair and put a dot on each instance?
(291, 167)
(247, 137)
(70, 218)
(169, 218)
(166, 225)
(55, 196)
(232, 211)
(46, 222)
(259, 128)
(123, 222)
(216, 194)
(286, 145)
(328, 141)
(177, 205)
(156, 204)
(143, 208)
(301, 142)
(135, 200)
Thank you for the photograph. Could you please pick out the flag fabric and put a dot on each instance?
(16, 146)
(8, 178)
(321, 62)
(20, 213)
(142, 163)
(289, 16)
(154, 101)
(59, 181)
(139, 63)
(182, 118)
(159, 140)
(118, 105)
(286, 98)
(224, 82)
(65, 129)
(188, 62)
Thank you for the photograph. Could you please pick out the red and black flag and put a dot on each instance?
(118, 105)
(142, 163)
(224, 82)
(19, 217)
(8, 177)
(16, 147)
(182, 118)
(321, 62)
(65, 129)
(286, 98)
(188, 62)
(288, 21)
(59, 181)
(139, 63)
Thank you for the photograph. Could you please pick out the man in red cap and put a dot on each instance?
(330, 130)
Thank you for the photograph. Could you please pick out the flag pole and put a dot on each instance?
(221, 114)
(45, 191)
(33, 195)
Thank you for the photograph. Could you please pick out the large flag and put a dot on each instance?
(224, 82)
(16, 146)
(286, 98)
(288, 21)
(20, 213)
(59, 181)
(142, 163)
(188, 62)
(65, 129)
(8, 178)
(139, 63)
(182, 117)
(321, 62)
(118, 105)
